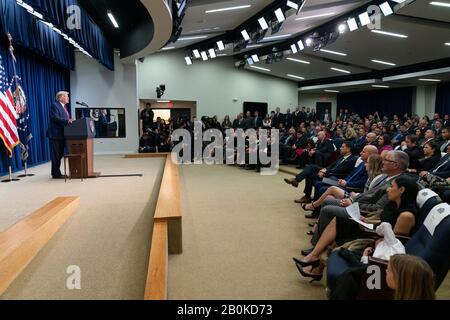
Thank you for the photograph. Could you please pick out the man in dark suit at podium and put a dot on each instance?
(59, 118)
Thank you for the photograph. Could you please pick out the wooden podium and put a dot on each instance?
(80, 145)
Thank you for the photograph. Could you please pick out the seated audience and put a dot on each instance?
(431, 156)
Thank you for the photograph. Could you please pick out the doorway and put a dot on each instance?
(321, 107)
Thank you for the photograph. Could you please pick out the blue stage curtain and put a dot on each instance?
(89, 36)
(41, 80)
(29, 33)
(443, 99)
(387, 102)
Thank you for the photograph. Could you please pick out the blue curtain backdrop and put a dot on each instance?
(387, 102)
(29, 33)
(443, 98)
(41, 79)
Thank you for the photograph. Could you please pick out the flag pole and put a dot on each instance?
(10, 179)
(11, 51)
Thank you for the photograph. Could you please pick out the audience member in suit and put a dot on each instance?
(342, 166)
(59, 118)
(429, 135)
(371, 139)
(289, 119)
(400, 136)
(287, 145)
(366, 174)
(442, 168)
(278, 118)
(321, 154)
(410, 147)
(326, 116)
(257, 121)
(149, 142)
(445, 135)
(431, 156)
(248, 121)
(446, 121)
(147, 116)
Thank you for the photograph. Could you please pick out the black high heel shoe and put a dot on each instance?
(315, 277)
(313, 264)
(312, 204)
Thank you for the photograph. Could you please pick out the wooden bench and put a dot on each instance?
(22, 242)
(167, 232)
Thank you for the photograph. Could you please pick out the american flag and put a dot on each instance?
(8, 114)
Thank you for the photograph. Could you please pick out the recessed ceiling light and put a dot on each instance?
(188, 60)
(299, 61)
(196, 53)
(263, 23)
(220, 45)
(440, 4)
(340, 70)
(280, 16)
(332, 91)
(295, 77)
(334, 52)
(291, 4)
(204, 55)
(163, 101)
(386, 9)
(259, 68)
(342, 27)
(379, 86)
(192, 38)
(255, 58)
(294, 48)
(245, 35)
(392, 34)
(316, 16)
(300, 45)
(212, 53)
(352, 24)
(447, 43)
(168, 48)
(383, 62)
(430, 80)
(228, 9)
(308, 42)
(113, 20)
(364, 19)
(254, 46)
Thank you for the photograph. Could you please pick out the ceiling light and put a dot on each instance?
(196, 53)
(340, 70)
(292, 5)
(212, 53)
(316, 16)
(384, 62)
(298, 60)
(352, 24)
(168, 48)
(386, 8)
(294, 48)
(280, 16)
(245, 35)
(295, 77)
(250, 61)
(263, 23)
(447, 43)
(300, 45)
(188, 60)
(259, 68)
(220, 45)
(221, 54)
(113, 20)
(397, 35)
(277, 37)
(379, 86)
(364, 18)
(192, 38)
(342, 28)
(308, 42)
(254, 46)
(430, 80)
(440, 4)
(255, 58)
(204, 56)
(332, 91)
(228, 9)
(334, 52)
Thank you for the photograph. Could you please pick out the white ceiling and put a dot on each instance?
(427, 28)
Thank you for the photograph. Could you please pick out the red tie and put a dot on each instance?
(67, 113)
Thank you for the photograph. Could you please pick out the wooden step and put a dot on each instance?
(156, 284)
(22, 242)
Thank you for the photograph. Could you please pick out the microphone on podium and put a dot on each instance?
(82, 104)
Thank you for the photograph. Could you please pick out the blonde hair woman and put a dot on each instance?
(410, 277)
(351, 134)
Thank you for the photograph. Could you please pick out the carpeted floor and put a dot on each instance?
(240, 232)
(108, 237)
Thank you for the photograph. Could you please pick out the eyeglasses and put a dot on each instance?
(387, 160)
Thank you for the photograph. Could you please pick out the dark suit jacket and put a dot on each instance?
(289, 120)
(248, 123)
(326, 147)
(257, 122)
(341, 169)
(414, 154)
(444, 171)
(277, 119)
(58, 120)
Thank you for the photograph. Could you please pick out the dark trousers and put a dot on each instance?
(309, 174)
(57, 152)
